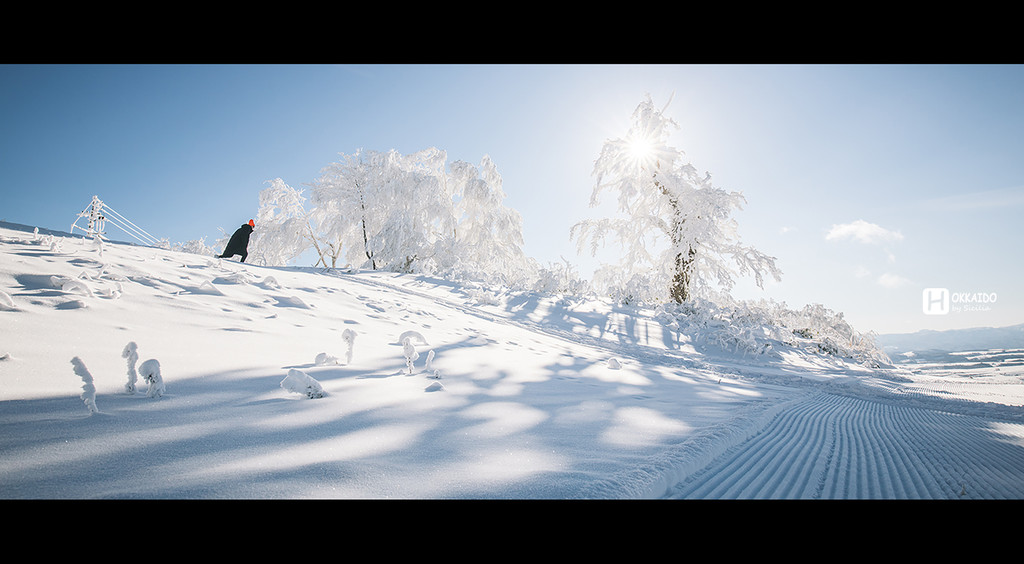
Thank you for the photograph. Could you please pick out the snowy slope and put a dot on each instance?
(525, 396)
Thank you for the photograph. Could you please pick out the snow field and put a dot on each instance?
(526, 396)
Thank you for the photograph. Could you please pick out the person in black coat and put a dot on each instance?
(239, 243)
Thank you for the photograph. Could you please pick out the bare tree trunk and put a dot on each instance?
(369, 255)
(316, 245)
(679, 291)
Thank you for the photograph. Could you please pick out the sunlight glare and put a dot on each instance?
(641, 149)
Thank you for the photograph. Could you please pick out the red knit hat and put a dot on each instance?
(252, 223)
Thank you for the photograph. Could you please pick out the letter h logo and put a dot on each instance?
(935, 301)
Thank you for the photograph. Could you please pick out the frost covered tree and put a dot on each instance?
(401, 213)
(678, 237)
(416, 213)
(382, 209)
(283, 227)
(486, 240)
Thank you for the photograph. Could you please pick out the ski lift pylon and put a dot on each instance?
(98, 214)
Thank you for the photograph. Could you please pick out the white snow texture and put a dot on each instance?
(541, 397)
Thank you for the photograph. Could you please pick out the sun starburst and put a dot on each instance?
(643, 152)
(640, 149)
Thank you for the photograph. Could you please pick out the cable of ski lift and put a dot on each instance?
(134, 230)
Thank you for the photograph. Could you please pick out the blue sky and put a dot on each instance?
(869, 183)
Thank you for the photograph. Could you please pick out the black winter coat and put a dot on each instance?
(239, 243)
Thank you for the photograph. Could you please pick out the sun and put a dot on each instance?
(642, 151)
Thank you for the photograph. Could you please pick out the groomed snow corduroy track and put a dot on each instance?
(835, 447)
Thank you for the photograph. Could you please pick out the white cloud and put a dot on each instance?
(863, 231)
(892, 280)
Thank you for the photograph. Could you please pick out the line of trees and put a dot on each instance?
(417, 213)
(412, 213)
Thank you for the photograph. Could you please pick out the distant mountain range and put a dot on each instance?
(978, 338)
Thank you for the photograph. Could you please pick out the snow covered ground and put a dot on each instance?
(305, 383)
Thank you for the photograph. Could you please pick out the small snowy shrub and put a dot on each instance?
(299, 382)
(349, 336)
(561, 278)
(150, 372)
(410, 353)
(196, 247)
(54, 243)
(324, 359)
(88, 389)
(131, 355)
(752, 328)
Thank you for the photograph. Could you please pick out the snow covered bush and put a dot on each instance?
(349, 337)
(88, 389)
(324, 359)
(150, 372)
(301, 383)
(560, 278)
(755, 327)
(410, 353)
(54, 243)
(131, 355)
(676, 228)
(196, 247)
